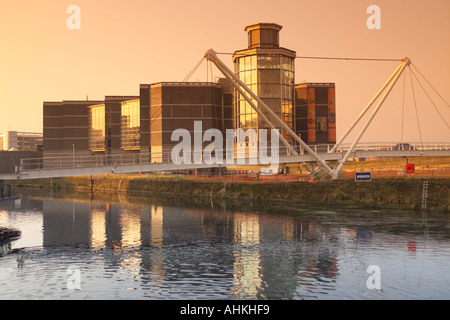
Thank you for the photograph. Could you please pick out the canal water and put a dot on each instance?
(124, 247)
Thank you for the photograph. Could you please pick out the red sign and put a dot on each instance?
(410, 168)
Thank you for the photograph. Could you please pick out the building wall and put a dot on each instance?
(178, 105)
(228, 103)
(52, 130)
(10, 159)
(66, 127)
(75, 126)
(144, 95)
(315, 109)
(113, 122)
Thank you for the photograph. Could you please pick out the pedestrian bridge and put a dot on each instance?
(329, 158)
(77, 165)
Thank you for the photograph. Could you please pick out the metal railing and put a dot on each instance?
(392, 146)
(87, 161)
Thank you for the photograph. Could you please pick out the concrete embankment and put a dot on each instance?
(383, 193)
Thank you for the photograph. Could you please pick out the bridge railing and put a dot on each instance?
(84, 161)
(390, 146)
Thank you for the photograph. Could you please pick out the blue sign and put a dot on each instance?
(363, 176)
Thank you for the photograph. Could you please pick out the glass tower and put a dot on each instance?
(268, 70)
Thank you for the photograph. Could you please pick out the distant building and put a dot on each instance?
(20, 141)
(136, 124)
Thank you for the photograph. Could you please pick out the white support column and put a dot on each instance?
(256, 109)
(403, 65)
(366, 109)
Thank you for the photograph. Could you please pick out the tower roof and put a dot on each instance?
(263, 25)
(263, 35)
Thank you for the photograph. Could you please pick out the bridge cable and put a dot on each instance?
(415, 105)
(348, 59)
(331, 58)
(448, 105)
(431, 100)
(403, 108)
(193, 70)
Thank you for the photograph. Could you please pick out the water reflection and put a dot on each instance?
(160, 249)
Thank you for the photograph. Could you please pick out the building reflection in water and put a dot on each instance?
(156, 241)
(264, 255)
(98, 235)
(247, 276)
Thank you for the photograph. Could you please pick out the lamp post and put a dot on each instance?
(73, 155)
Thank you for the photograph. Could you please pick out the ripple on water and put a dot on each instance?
(203, 254)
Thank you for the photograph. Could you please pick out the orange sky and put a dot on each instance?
(124, 43)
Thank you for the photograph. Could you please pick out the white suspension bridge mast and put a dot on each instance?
(211, 55)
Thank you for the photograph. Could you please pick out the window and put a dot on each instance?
(269, 62)
(97, 127)
(321, 124)
(269, 90)
(130, 125)
(287, 63)
(269, 76)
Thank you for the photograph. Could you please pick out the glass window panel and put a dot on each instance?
(97, 127)
(242, 106)
(254, 76)
(288, 77)
(241, 75)
(254, 120)
(247, 65)
(241, 120)
(241, 64)
(274, 105)
(248, 108)
(288, 92)
(269, 76)
(269, 90)
(268, 62)
(248, 77)
(287, 106)
(130, 124)
(288, 64)
(321, 124)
